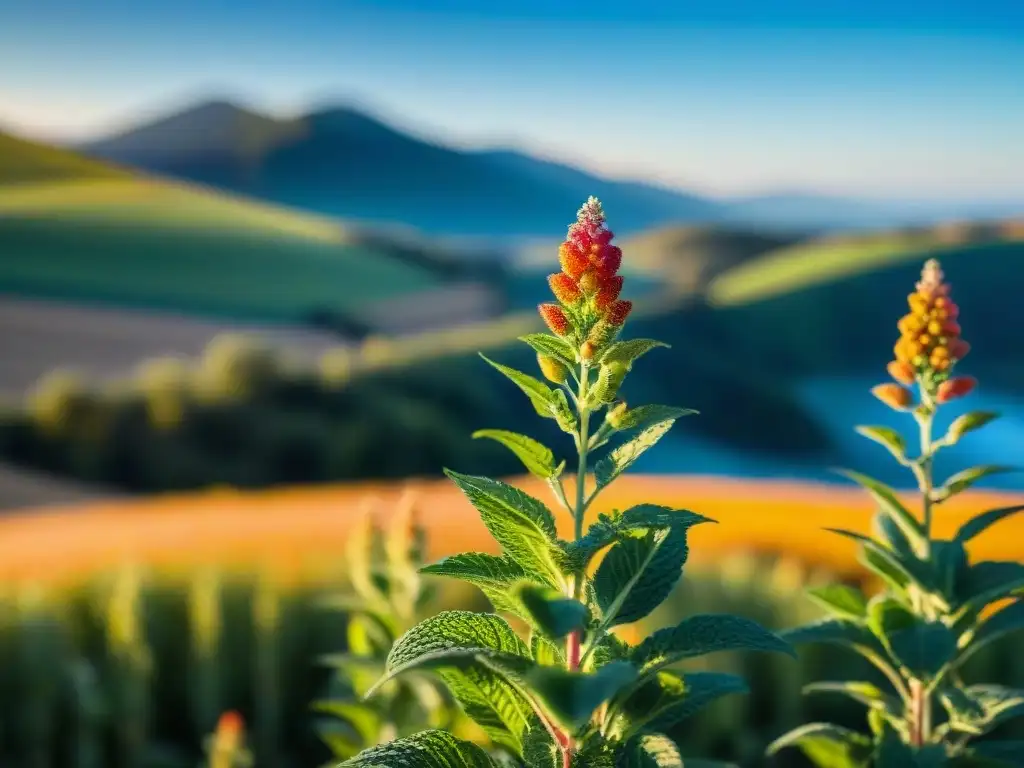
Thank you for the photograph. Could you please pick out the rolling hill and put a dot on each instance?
(73, 228)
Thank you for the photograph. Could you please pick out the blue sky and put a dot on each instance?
(896, 99)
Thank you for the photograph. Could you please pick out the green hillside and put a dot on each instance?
(72, 228)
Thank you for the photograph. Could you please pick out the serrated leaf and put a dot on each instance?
(843, 633)
(608, 529)
(628, 352)
(650, 750)
(867, 694)
(552, 346)
(521, 524)
(572, 697)
(844, 601)
(539, 748)
(667, 698)
(961, 481)
(989, 581)
(968, 422)
(428, 749)
(645, 416)
(543, 398)
(1004, 621)
(624, 456)
(887, 437)
(493, 575)
(700, 635)
(465, 648)
(889, 504)
(551, 611)
(536, 457)
(1009, 753)
(638, 573)
(827, 745)
(980, 523)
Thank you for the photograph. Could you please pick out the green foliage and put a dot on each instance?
(386, 596)
(935, 614)
(598, 703)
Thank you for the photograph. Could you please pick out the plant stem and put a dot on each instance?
(920, 696)
(581, 474)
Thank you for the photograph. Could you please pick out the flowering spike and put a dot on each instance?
(565, 288)
(573, 262)
(555, 318)
(956, 387)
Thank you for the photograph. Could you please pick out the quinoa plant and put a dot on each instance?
(568, 692)
(936, 609)
(388, 594)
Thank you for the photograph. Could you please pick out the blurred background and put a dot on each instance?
(248, 254)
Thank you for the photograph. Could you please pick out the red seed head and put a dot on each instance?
(565, 288)
(618, 311)
(902, 372)
(608, 260)
(555, 318)
(954, 388)
(893, 395)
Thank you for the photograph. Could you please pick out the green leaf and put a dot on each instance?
(493, 575)
(638, 573)
(827, 745)
(645, 416)
(890, 535)
(887, 502)
(998, 703)
(924, 649)
(832, 632)
(551, 611)
(979, 524)
(552, 346)
(545, 652)
(893, 752)
(888, 437)
(523, 525)
(963, 710)
(667, 698)
(623, 457)
(700, 635)
(572, 697)
(989, 581)
(536, 457)
(543, 398)
(650, 750)
(428, 749)
(608, 529)
(1004, 621)
(961, 481)
(968, 422)
(464, 648)
(867, 694)
(950, 564)
(1009, 753)
(844, 601)
(627, 352)
(895, 567)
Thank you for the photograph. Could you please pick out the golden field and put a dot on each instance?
(301, 532)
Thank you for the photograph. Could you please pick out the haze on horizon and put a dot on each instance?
(902, 100)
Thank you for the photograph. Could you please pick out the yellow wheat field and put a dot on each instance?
(301, 532)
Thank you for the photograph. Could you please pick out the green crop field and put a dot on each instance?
(71, 228)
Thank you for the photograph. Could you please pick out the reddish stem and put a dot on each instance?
(572, 651)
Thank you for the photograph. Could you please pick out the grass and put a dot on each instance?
(27, 161)
(295, 532)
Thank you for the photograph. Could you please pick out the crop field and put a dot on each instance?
(297, 532)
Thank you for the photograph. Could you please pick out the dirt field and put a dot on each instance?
(301, 530)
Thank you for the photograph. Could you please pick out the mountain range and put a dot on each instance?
(343, 162)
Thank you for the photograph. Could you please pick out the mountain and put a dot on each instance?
(342, 162)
